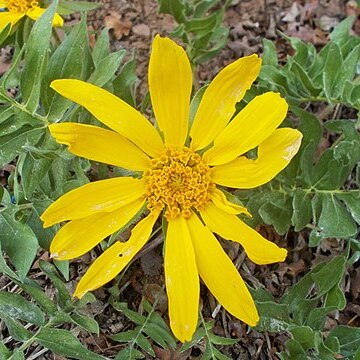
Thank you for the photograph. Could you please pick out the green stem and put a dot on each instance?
(24, 109)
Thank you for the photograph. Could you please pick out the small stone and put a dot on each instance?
(141, 30)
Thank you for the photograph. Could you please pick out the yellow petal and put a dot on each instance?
(220, 275)
(249, 128)
(218, 103)
(7, 17)
(77, 237)
(182, 280)
(95, 143)
(35, 12)
(274, 154)
(116, 257)
(3, 4)
(230, 227)
(113, 112)
(170, 83)
(93, 198)
(220, 200)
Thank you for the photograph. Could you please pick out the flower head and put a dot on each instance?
(17, 9)
(181, 173)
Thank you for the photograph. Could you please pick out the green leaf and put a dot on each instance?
(11, 145)
(106, 68)
(301, 209)
(36, 57)
(44, 236)
(16, 330)
(64, 343)
(132, 315)
(352, 202)
(125, 82)
(129, 353)
(334, 220)
(32, 171)
(69, 7)
(348, 337)
(40, 297)
(17, 355)
(160, 334)
(342, 31)
(348, 71)
(125, 336)
(70, 60)
(176, 8)
(332, 64)
(101, 48)
(330, 275)
(277, 211)
(18, 241)
(15, 306)
(273, 317)
(195, 102)
(269, 56)
(144, 344)
(64, 299)
(85, 322)
(4, 268)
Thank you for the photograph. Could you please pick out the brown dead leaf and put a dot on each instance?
(118, 26)
(170, 354)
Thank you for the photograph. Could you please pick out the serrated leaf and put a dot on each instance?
(18, 241)
(15, 306)
(64, 343)
(36, 57)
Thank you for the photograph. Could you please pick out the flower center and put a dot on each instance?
(178, 181)
(21, 6)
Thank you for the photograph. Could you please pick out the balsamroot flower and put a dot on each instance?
(17, 9)
(181, 172)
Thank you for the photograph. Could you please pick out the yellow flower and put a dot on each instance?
(17, 9)
(181, 171)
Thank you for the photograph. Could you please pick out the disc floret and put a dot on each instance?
(178, 181)
(21, 6)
